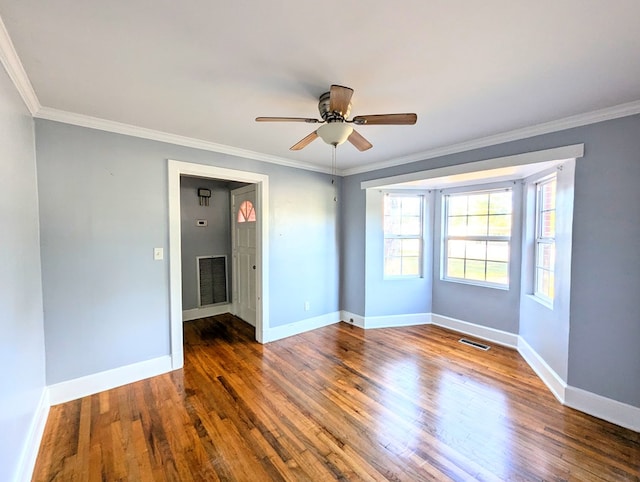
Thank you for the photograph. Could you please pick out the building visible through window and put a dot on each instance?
(545, 245)
(246, 213)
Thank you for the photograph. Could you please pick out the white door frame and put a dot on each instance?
(180, 168)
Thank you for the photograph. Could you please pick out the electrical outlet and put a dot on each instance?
(307, 306)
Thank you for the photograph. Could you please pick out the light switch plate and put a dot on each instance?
(158, 254)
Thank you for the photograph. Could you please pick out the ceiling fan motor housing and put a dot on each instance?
(325, 110)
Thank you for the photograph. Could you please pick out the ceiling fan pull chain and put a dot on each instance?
(333, 173)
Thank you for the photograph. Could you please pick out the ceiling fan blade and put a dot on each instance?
(305, 142)
(360, 142)
(388, 119)
(308, 120)
(339, 99)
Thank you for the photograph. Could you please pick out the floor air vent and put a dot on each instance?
(474, 344)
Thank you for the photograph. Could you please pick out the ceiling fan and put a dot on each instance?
(334, 107)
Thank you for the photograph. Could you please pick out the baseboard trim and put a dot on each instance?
(302, 326)
(352, 319)
(493, 335)
(619, 413)
(31, 447)
(549, 377)
(99, 382)
(196, 313)
(396, 321)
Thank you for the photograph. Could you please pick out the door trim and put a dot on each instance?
(175, 170)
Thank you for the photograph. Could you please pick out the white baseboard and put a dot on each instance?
(395, 321)
(605, 408)
(284, 331)
(352, 318)
(99, 382)
(196, 313)
(550, 378)
(493, 335)
(34, 438)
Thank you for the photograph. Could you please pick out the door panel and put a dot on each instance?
(244, 252)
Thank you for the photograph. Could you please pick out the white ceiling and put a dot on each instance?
(204, 69)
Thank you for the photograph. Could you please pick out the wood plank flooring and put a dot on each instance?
(338, 403)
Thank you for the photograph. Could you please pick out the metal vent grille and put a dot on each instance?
(212, 279)
(474, 344)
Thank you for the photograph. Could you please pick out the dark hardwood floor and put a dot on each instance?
(337, 403)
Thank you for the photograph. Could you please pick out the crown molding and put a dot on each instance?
(151, 134)
(11, 62)
(622, 110)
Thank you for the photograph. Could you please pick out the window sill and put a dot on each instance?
(545, 303)
(476, 283)
(396, 278)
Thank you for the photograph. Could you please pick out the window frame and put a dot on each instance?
(544, 240)
(445, 237)
(420, 237)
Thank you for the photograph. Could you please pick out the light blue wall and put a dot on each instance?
(104, 207)
(605, 306)
(352, 247)
(211, 240)
(22, 364)
(605, 268)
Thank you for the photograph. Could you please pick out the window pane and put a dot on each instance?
(500, 202)
(546, 256)
(457, 226)
(410, 247)
(457, 205)
(456, 249)
(476, 250)
(478, 204)
(393, 266)
(498, 251)
(477, 225)
(549, 195)
(548, 224)
(411, 205)
(246, 212)
(500, 225)
(410, 225)
(474, 269)
(455, 268)
(392, 247)
(543, 282)
(497, 272)
(411, 266)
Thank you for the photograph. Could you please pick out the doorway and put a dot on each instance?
(261, 205)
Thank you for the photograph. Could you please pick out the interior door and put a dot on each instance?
(244, 215)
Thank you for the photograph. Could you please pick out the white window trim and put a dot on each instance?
(445, 235)
(420, 237)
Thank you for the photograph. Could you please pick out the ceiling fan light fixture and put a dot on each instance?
(335, 133)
